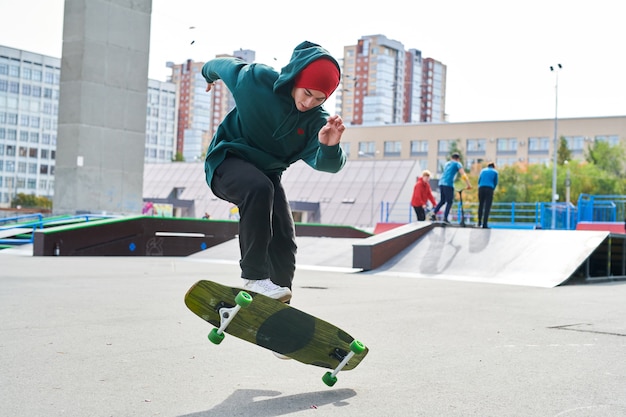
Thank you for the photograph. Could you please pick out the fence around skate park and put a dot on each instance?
(538, 215)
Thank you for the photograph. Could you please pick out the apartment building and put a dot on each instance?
(161, 122)
(199, 112)
(194, 106)
(29, 97)
(29, 104)
(385, 84)
(433, 88)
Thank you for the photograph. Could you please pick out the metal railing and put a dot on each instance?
(20, 230)
(503, 215)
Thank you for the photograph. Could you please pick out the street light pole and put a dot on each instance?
(568, 183)
(556, 122)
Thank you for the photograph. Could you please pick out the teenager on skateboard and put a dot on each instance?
(278, 120)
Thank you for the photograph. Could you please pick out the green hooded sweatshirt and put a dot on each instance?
(265, 128)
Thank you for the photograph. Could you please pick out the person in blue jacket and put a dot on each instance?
(446, 184)
(487, 183)
(278, 119)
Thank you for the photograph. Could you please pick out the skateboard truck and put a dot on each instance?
(330, 378)
(227, 314)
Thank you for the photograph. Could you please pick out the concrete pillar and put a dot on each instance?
(102, 106)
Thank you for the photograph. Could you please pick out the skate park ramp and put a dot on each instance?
(541, 258)
(538, 258)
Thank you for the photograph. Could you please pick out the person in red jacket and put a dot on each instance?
(422, 194)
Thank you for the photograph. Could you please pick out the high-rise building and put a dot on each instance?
(433, 100)
(199, 112)
(385, 84)
(29, 101)
(161, 122)
(29, 104)
(193, 109)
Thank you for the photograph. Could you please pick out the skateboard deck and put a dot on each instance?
(274, 325)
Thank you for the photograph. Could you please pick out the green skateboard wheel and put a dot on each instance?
(329, 379)
(357, 347)
(243, 299)
(215, 337)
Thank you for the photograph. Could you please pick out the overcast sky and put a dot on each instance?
(498, 53)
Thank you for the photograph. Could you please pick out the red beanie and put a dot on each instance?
(321, 75)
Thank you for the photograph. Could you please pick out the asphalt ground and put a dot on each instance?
(111, 336)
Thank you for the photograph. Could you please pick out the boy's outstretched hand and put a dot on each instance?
(330, 133)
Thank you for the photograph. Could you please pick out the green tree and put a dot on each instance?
(533, 183)
(563, 152)
(31, 201)
(454, 148)
(606, 157)
(178, 157)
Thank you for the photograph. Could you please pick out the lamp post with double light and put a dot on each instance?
(555, 149)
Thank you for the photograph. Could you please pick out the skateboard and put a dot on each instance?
(276, 326)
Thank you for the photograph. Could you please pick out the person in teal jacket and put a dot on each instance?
(446, 184)
(278, 119)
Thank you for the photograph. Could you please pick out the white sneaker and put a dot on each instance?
(268, 288)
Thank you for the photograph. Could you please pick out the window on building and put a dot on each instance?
(393, 148)
(419, 147)
(506, 161)
(367, 149)
(476, 145)
(444, 146)
(14, 71)
(538, 144)
(506, 145)
(612, 140)
(575, 143)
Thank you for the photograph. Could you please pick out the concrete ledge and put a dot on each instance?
(374, 251)
(155, 236)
